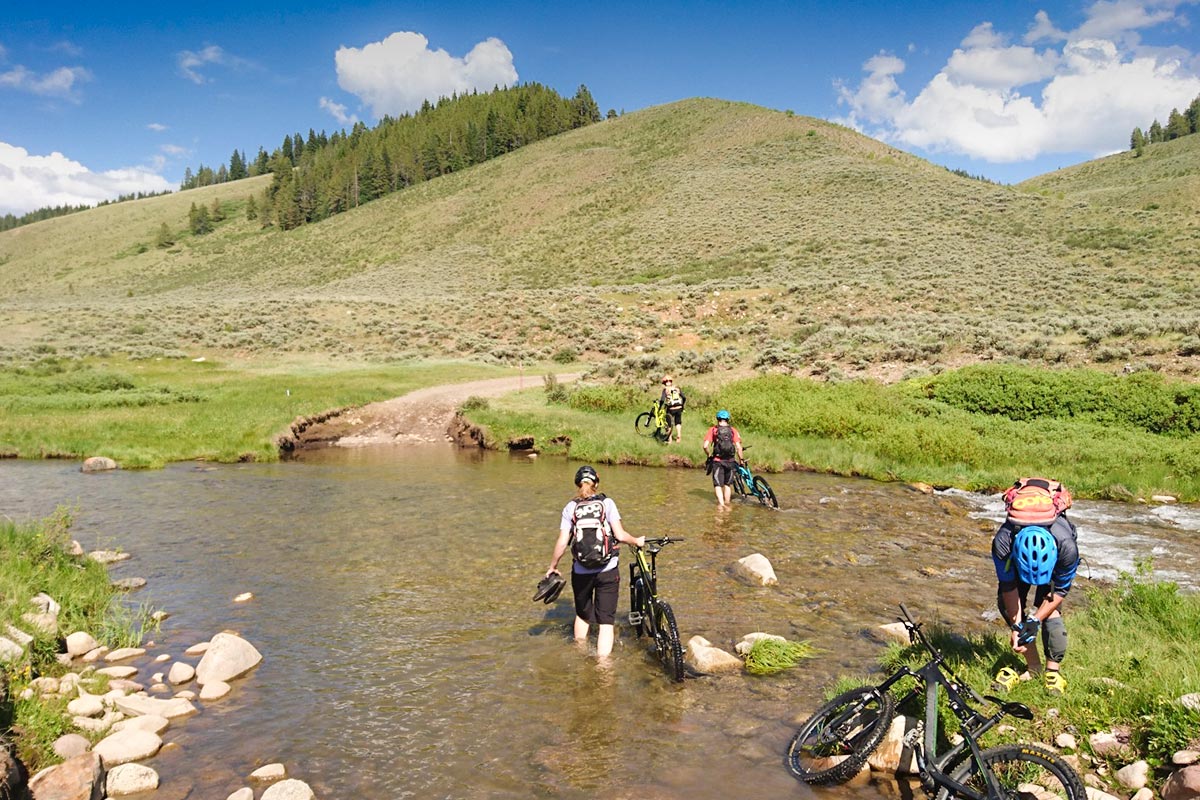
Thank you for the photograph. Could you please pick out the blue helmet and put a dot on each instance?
(723, 414)
(1036, 553)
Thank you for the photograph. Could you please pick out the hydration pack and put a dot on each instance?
(675, 398)
(723, 446)
(1036, 501)
(592, 543)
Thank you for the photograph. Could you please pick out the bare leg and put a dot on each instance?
(581, 629)
(728, 494)
(604, 640)
(720, 493)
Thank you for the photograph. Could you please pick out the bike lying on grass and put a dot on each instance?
(833, 745)
(649, 614)
(654, 422)
(747, 483)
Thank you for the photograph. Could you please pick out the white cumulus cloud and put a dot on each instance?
(338, 111)
(1003, 103)
(399, 73)
(29, 182)
(191, 62)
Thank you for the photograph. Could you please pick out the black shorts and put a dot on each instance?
(723, 472)
(596, 595)
(675, 417)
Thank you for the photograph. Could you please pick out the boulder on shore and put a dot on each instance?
(227, 657)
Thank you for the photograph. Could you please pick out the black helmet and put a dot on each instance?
(586, 474)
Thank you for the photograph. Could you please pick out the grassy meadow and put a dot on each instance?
(144, 413)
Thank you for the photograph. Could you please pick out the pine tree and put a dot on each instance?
(237, 166)
(1137, 141)
(1156, 133)
(286, 149)
(251, 208)
(218, 213)
(198, 220)
(1193, 115)
(262, 162)
(164, 239)
(189, 180)
(1177, 125)
(585, 109)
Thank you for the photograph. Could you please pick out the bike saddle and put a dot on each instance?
(1018, 710)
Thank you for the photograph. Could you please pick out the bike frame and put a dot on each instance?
(649, 573)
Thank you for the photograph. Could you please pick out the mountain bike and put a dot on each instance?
(649, 614)
(654, 422)
(835, 742)
(747, 483)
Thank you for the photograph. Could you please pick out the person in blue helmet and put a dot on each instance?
(1035, 548)
(723, 445)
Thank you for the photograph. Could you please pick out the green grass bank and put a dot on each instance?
(1106, 436)
(145, 413)
(1131, 658)
(35, 558)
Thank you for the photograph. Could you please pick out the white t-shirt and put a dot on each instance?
(568, 517)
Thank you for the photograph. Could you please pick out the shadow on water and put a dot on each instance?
(403, 654)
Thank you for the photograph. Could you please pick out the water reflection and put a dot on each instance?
(404, 657)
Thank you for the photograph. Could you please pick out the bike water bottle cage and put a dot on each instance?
(1035, 552)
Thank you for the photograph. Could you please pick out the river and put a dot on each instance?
(404, 658)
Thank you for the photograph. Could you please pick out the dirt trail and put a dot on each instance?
(419, 417)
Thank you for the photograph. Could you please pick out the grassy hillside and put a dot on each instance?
(734, 235)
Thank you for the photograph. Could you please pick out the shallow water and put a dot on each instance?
(403, 657)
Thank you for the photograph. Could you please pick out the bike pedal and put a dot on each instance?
(635, 618)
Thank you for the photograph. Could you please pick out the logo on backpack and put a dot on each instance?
(1036, 501)
(592, 544)
(723, 446)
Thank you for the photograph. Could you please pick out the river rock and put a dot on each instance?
(269, 772)
(244, 597)
(161, 657)
(78, 778)
(1098, 794)
(127, 745)
(130, 779)
(757, 569)
(893, 756)
(709, 660)
(1163, 498)
(214, 690)
(148, 722)
(80, 642)
(86, 705)
(98, 464)
(1144, 793)
(747, 643)
(46, 604)
(227, 657)
(893, 632)
(1106, 743)
(10, 650)
(70, 745)
(46, 684)
(1183, 758)
(95, 654)
(123, 653)
(1191, 701)
(118, 672)
(43, 621)
(1065, 741)
(17, 635)
(290, 789)
(198, 649)
(181, 673)
(109, 556)
(1134, 776)
(1183, 784)
(125, 686)
(138, 705)
(128, 584)
(99, 725)
(244, 793)
(923, 488)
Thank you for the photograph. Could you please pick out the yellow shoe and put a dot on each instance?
(1005, 680)
(1056, 684)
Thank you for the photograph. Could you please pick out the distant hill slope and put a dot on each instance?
(725, 231)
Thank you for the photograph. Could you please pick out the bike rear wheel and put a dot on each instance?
(739, 483)
(1024, 772)
(766, 495)
(835, 742)
(644, 423)
(637, 588)
(666, 640)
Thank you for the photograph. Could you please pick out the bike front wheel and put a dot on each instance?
(666, 640)
(1021, 770)
(835, 742)
(644, 422)
(766, 495)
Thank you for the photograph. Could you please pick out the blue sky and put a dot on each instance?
(100, 99)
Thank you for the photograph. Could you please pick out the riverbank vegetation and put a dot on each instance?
(1106, 436)
(36, 559)
(146, 413)
(1131, 658)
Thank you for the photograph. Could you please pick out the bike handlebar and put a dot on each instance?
(664, 540)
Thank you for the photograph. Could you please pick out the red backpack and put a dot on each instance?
(1036, 501)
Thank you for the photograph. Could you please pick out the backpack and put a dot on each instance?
(1036, 501)
(592, 543)
(723, 446)
(675, 398)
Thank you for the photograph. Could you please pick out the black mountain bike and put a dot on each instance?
(833, 745)
(746, 483)
(649, 614)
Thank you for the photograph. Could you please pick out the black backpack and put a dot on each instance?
(723, 446)
(592, 544)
